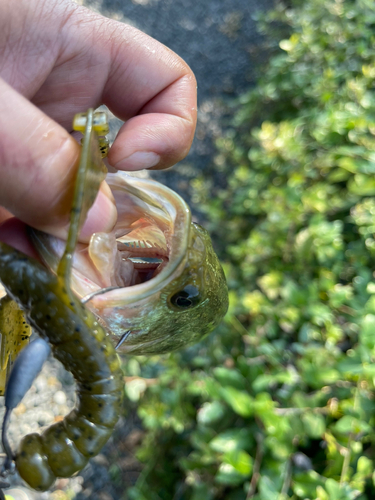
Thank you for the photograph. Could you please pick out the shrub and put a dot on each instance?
(278, 403)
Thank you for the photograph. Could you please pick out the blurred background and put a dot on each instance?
(278, 402)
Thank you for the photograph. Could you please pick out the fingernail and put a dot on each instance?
(138, 161)
(102, 215)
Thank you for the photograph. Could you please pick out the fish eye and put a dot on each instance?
(186, 298)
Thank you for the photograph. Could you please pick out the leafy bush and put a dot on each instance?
(279, 403)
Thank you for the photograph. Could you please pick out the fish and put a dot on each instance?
(154, 281)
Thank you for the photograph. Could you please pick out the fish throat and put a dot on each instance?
(141, 260)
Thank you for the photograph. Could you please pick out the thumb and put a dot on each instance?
(38, 165)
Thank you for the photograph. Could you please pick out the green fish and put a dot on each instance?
(155, 281)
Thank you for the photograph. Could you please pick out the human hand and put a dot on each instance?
(57, 59)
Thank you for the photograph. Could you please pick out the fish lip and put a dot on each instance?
(179, 214)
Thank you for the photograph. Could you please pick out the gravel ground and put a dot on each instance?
(219, 41)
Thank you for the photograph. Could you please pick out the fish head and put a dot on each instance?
(154, 282)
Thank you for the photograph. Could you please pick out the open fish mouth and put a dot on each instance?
(144, 251)
(154, 281)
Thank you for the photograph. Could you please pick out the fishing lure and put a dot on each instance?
(77, 340)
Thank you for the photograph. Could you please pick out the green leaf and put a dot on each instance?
(305, 484)
(210, 413)
(268, 489)
(240, 401)
(229, 377)
(314, 424)
(348, 424)
(351, 365)
(239, 460)
(365, 466)
(367, 333)
(135, 388)
(227, 475)
(333, 489)
(231, 440)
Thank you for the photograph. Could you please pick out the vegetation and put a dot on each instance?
(278, 403)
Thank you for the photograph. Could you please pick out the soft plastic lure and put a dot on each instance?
(77, 340)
